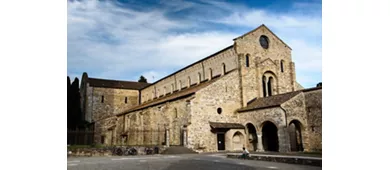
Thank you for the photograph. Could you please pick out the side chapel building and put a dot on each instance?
(243, 95)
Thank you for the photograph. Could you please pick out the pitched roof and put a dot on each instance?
(220, 125)
(268, 102)
(173, 96)
(274, 101)
(262, 25)
(118, 84)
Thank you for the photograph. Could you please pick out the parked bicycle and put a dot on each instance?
(130, 151)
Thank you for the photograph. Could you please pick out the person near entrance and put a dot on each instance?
(245, 153)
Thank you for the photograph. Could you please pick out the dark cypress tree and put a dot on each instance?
(69, 104)
(142, 79)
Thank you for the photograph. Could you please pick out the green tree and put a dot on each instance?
(142, 79)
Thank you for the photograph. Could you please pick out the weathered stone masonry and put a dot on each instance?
(245, 95)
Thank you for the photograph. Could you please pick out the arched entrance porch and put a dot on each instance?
(252, 137)
(295, 132)
(270, 137)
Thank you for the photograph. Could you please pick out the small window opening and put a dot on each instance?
(264, 87)
(281, 66)
(102, 139)
(125, 99)
(219, 110)
(102, 99)
(211, 74)
(247, 60)
(270, 86)
(223, 68)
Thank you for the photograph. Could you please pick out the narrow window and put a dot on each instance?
(199, 78)
(247, 60)
(223, 68)
(281, 66)
(125, 99)
(175, 110)
(270, 86)
(172, 88)
(102, 99)
(102, 139)
(189, 81)
(211, 73)
(264, 87)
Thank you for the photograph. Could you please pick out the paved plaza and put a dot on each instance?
(177, 162)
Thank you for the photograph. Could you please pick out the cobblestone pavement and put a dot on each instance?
(177, 162)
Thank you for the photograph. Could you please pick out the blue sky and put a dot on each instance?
(127, 38)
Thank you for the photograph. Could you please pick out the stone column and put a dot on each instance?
(284, 139)
(167, 136)
(259, 142)
(185, 136)
(266, 86)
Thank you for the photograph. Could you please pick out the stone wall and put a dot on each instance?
(313, 102)
(194, 74)
(113, 102)
(224, 94)
(263, 61)
(295, 109)
(105, 103)
(229, 137)
(274, 115)
(147, 126)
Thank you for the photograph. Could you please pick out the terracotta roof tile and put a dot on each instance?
(118, 84)
(174, 96)
(273, 101)
(220, 125)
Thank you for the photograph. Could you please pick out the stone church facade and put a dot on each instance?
(245, 95)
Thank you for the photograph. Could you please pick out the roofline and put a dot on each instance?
(278, 105)
(115, 80)
(155, 104)
(311, 89)
(189, 66)
(162, 101)
(262, 25)
(267, 107)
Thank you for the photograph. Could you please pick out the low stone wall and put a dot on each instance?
(283, 159)
(89, 152)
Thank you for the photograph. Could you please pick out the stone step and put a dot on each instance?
(313, 161)
(178, 150)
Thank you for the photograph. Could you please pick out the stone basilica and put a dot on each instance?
(243, 95)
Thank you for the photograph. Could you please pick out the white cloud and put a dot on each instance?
(112, 42)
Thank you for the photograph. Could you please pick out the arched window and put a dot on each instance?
(223, 68)
(247, 60)
(210, 73)
(264, 86)
(189, 81)
(269, 84)
(282, 66)
(199, 78)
